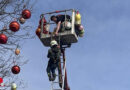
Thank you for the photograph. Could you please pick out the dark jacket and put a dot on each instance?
(62, 18)
(54, 54)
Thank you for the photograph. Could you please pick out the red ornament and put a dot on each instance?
(44, 25)
(57, 11)
(44, 31)
(1, 80)
(77, 12)
(26, 14)
(38, 32)
(3, 39)
(15, 69)
(14, 26)
(44, 21)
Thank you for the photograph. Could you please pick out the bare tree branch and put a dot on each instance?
(11, 10)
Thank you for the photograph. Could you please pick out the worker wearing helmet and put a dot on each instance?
(59, 19)
(54, 59)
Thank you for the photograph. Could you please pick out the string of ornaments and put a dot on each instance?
(14, 26)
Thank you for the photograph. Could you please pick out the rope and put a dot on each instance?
(49, 24)
(42, 24)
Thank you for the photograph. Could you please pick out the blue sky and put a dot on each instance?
(99, 61)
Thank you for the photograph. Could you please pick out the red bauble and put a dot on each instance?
(3, 39)
(44, 21)
(38, 32)
(26, 14)
(44, 29)
(15, 69)
(44, 25)
(1, 80)
(45, 32)
(14, 26)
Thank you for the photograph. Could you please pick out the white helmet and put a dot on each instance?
(53, 42)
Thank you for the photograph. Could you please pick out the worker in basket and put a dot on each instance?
(63, 23)
(54, 59)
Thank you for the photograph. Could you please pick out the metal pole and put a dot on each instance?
(58, 11)
(42, 17)
(66, 87)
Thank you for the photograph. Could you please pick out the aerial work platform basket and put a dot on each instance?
(66, 37)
